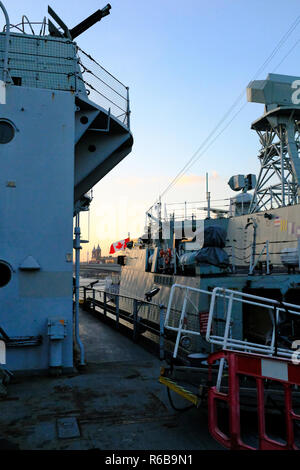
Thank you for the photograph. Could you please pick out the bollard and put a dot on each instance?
(135, 319)
(117, 310)
(105, 299)
(161, 332)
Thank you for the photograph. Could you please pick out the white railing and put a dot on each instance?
(273, 308)
(182, 327)
(230, 300)
(253, 262)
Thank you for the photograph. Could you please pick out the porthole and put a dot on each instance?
(5, 274)
(84, 119)
(7, 131)
(92, 148)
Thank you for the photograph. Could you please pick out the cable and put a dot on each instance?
(85, 69)
(99, 65)
(287, 54)
(191, 162)
(193, 159)
(99, 93)
(175, 407)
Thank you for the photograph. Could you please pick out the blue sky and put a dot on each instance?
(185, 64)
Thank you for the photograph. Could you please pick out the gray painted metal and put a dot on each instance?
(278, 130)
(56, 151)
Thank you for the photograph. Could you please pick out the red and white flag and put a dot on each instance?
(118, 246)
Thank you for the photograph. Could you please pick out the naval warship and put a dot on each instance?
(251, 246)
(223, 290)
(230, 282)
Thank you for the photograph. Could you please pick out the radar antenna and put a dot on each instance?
(278, 182)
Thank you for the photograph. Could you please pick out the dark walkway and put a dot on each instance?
(117, 403)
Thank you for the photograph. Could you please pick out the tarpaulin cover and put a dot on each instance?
(214, 236)
(213, 255)
(212, 252)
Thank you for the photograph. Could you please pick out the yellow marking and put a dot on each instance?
(180, 390)
(283, 225)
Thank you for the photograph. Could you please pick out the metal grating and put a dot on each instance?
(41, 62)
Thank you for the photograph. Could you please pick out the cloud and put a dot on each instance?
(185, 180)
(191, 179)
(214, 175)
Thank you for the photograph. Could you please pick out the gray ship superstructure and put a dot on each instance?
(64, 124)
(251, 246)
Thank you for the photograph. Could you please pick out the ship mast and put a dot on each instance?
(278, 131)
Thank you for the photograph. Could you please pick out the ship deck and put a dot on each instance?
(116, 403)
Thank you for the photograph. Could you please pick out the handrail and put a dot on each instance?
(139, 299)
(131, 316)
(24, 17)
(115, 92)
(7, 36)
(226, 341)
(111, 89)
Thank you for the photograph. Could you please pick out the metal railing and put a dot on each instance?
(273, 308)
(190, 210)
(62, 65)
(104, 87)
(225, 338)
(126, 309)
(186, 323)
(6, 45)
(52, 66)
(21, 27)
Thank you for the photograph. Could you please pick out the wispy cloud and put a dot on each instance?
(191, 179)
(185, 180)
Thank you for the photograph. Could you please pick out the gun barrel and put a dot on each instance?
(90, 21)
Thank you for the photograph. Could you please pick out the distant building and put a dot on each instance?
(98, 259)
(96, 254)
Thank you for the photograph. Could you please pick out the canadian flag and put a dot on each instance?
(118, 246)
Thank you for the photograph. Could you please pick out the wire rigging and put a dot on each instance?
(195, 157)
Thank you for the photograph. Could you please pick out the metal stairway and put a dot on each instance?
(102, 141)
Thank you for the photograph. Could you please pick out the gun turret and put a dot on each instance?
(90, 21)
(80, 28)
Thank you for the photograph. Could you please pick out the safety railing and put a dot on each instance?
(189, 317)
(122, 308)
(104, 88)
(28, 27)
(223, 319)
(40, 61)
(191, 210)
(61, 65)
(6, 44)
(273, 309)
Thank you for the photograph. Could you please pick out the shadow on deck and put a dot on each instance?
(116, 402)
